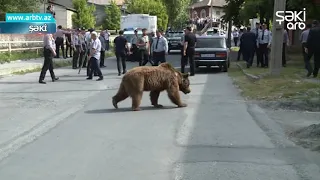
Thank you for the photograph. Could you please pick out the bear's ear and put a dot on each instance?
(185, 75)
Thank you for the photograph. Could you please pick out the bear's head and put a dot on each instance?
(184, 83)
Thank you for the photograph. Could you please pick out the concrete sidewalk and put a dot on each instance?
(24, 65)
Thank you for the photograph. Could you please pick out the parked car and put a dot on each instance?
(174, 40)
(212, 51)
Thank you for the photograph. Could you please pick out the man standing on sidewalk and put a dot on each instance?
(190, 41)
(313, 48)
(95, 53)
(107, 39)
(263, 44)
(303, 39)
(59, 36)
(159, 49)
(284, 47)
(49, 52)
(247, 44)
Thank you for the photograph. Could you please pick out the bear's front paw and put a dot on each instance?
(182, 105)
(114, 103)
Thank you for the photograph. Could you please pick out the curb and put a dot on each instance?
(25, 66)
(249, 76)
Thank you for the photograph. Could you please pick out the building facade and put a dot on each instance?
(202, 9)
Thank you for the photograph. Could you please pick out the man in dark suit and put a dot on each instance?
(247, 45)
(313, 48)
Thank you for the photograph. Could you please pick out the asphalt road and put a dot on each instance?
(69, 130)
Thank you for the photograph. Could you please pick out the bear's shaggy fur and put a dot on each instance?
(154, 79)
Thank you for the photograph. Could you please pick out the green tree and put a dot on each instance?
(84, 16)
(18, 6)
(113, 13)
(174, 8)
(151, 7)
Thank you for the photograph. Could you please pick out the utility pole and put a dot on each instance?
(277, 40)
(211, 14)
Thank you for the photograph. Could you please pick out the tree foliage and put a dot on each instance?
(175, 8)
(18, 6)
(84, 16)
(113, 13)
(151, 7)
(182, 18)
(232, 11)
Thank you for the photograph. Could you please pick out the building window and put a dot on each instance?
(217, 12)
(203, 13)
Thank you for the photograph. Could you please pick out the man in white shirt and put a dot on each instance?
(159, 49)
(107, 39)
(95, 53)
(264, 44)
(235, 35)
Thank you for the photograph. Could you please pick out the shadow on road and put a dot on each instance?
(143, 108)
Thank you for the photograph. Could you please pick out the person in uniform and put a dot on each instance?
(144, 48)
(313, 48)
(184, 59)
(77, 49)
(135, 49)
(49, 51)
(84, 47)
(121, 48)
(159, 49)
(263, 44)
(95, 53)
(107, 40)
(68, 44)
(103, 48)
(256, 32)
(190, 41)
(59, 36)
(286, 43)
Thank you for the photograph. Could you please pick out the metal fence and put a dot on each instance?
(10, 48)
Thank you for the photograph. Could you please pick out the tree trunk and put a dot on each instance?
(229, 33)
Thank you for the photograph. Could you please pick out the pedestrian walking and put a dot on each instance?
(286, 43)
(313, 48)
(190, 41)
(49, 51)
(303, 39)
(77, 48)
(103, 48)
(247, 45)
(144, 48)
(263, 44)
(235, 35)
(59, 36)
(159, 49)
(95, 53)
(121, 47)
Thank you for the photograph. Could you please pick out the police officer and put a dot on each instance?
(135, 49)
(159, 49)
(103, 48)
(69, 44)
(95, 53)
(190, 41)
(59, 35)
(49, 52)
(77, 49)
(303, 39)
(84, 47)
(144, 48)
(263, 44)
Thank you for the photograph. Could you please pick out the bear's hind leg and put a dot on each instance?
(136, 101)
(154, 96)
(174, 96)
(120, 96)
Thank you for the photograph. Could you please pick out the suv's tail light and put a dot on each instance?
(221, 54)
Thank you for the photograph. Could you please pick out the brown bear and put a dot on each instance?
(154, 79)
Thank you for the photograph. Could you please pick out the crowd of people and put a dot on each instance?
(89, 48)
(258, 41)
